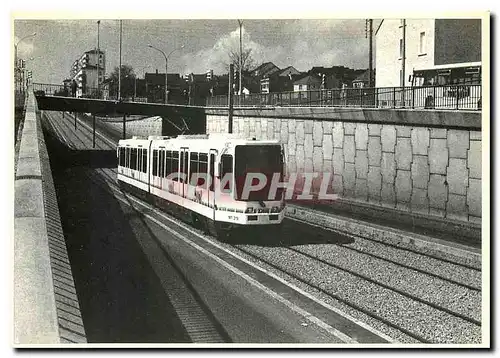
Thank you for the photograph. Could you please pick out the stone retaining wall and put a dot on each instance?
(429, 170)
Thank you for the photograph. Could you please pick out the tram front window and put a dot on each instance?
(263, 159)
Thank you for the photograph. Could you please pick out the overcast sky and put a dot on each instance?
(300, 43)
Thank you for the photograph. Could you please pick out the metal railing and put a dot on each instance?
(457, 97)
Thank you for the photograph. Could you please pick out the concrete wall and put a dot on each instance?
(432, 171)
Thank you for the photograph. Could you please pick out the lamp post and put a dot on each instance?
(98, 61)
(166, 67)
(15, 53)
(241, 58)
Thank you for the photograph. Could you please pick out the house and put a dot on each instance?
(363, 80)
(155, 87)
(279, 81)
(307, 83)
(441, 51)
(265, 70)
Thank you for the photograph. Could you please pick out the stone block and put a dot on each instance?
(317, 159)
(317, 133)
(327, 127)
(349, 128)
(374, 181)
(419, 201)
(403, 186)
(458, 143)
(308, 126)
(349, 176)
(437, 191)
(292, 125)
(388, 195)
(439, 133)
(338, 161)
(388, 136)
(388, 167)
(308, 145)
(374, 129)
(28, 198)
(457, 176)
(361, 163)
(300, 155)
(270, 129)
(277, 124)
(338, 135)
(308, 165)
(403, 131)
(292, 145)
(474, 159)
(258, 130)
(291, 164)
(327, 166)
(438, 156)
(474, 197)
(361, 189)
(456, 207)
(420, 138)
(300, 132)
(374, 151)
(361, 136)
(327, 146)
(338, 185)
(420, 171)
(285, 134)
(475, 135)
(349, 149)
(403, 153)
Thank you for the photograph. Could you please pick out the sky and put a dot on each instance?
(199, 44)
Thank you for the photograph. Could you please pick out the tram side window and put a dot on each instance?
(227, 168)
(133, 159)
(155, 162)
(175, 164)
(168, 164)
(139, 159)
(193, 164)
(144, 160)
(121, 157)
(212, 171)
(161, 164)
(185, 165)
(127, 157)
(202, 167)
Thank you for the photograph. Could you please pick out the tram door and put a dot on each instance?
(184, 162)
(211, 177)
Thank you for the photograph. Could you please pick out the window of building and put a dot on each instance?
(421, 46)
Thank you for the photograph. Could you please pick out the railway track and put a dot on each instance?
(409, 294)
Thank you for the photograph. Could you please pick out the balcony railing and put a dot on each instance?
(453, 97)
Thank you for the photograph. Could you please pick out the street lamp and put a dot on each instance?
(166, 67)
(16, 66)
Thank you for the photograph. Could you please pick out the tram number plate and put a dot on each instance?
(231, 217)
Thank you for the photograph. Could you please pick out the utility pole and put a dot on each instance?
(403, 63)
(98, 61)
(120, 69)
(230, 115)
(370, 62)
(241, 59)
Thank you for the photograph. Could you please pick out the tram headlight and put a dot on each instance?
(249, 210)
(275, 209)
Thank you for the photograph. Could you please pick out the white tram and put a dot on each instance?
(203, 177)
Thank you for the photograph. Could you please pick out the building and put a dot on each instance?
(363, 80)
(307, 83)
(265, 70)
(85, 72)
(155, 87)
(279, 81)
(439, 51)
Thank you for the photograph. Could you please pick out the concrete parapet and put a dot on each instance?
(39, 317)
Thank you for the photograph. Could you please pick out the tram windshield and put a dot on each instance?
(264, 159)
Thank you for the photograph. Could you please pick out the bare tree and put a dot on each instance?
(247, 60)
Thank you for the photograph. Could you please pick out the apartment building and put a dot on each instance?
(86, 69)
